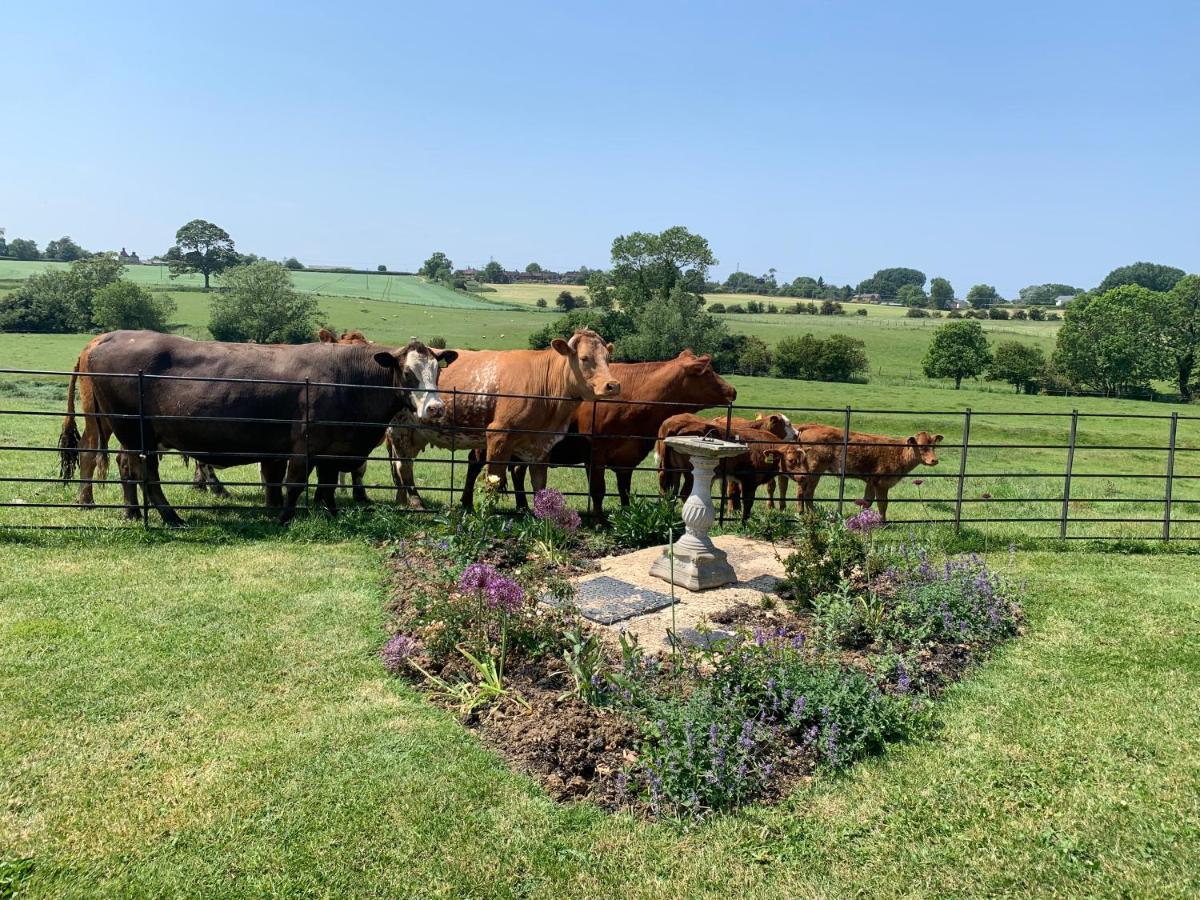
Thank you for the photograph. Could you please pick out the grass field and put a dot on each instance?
(228, 731)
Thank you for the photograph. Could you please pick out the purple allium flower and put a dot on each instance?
(397, 651)
(476, 577)
(865, 522)
(504, 593)
(549, 504)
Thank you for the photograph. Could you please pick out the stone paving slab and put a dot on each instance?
(608, 600)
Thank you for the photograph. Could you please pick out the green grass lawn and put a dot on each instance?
(228, 731)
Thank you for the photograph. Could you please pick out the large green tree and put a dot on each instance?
(23, 248)
(982, 296)
(941, 294)
(494, 273)
(124, 304)
(64, 250)
(912, 295)
(958, 350)
(1152, 276)
(201, 247)
(1112, 342)
(1181, 330)
(1021, 365)
(648, 266)
(437, 268)
(260, 305)
(1046, 294)
(887, 282)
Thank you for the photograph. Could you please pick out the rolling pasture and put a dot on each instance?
(202, 712)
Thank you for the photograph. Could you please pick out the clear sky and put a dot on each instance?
(1009, 143)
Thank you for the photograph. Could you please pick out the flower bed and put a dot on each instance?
(869, 633)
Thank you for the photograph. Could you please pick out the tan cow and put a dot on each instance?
(505, 406)
(877, 460)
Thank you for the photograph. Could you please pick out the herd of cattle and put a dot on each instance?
(328, 405)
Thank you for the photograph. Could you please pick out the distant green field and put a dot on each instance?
(393, 288)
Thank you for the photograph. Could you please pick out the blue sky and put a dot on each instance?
(1008, 143)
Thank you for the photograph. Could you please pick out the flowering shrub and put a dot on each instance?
(826, 553)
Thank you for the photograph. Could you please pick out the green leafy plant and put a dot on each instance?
(826, 554)
(645, 522)
(584, 657)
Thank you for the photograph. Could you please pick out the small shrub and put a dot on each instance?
(124, 304)
(716, 307)
(826, 554)
(860, 312)
(437, 343)
(916, 312)
(646, 522)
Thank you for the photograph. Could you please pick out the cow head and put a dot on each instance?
(701, 383)
(795, 462)
(325, 336)
(778, 424)
(587, 360)
(415, 368)
(923, 444)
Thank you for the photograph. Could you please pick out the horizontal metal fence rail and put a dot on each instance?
(469, 438)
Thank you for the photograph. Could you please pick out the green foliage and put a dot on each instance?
(826, 554)
(665, 325)
(584, 658)
(1111, 342)
(124, 304)
(916, 312)
(59, 301)
(201, 247)
(1152, 276)
(743, 354)
(997, 313)
(294, 264)
(533, 268)
(1046, 294)
(437, 268)
(1021, 365)
(958, 350)
(838, 357)
(745, 283)
(649, 266)
(64, 249)
(646, 522)
(912, 295)
(23, 248)
(566, 301)
(612, 325)
(494, 273)
(888, 282)
(260, 306)
(983, 295)
(1181, 330)
(941, 294)
(541, 302)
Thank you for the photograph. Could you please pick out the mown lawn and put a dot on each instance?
(204, 715)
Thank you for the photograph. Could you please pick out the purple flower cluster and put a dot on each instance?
(550, 505)
(865, 522)
(499, 591)
(783, 636)
(397, 651)
(962, 597)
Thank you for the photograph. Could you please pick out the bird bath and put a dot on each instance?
(699, 564)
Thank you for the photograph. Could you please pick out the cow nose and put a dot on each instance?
(434, 407)
(612, 388)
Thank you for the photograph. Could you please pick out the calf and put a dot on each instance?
(877, 460)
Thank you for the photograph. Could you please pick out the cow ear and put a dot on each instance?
(561, 346)
(387, 360)
(445, 356)
(609, 347)
(937, 438)
(696, 366)
(912, 441)
(325, 336)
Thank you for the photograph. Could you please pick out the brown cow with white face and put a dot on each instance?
(505, 406)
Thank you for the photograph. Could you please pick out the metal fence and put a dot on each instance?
(1158, 506)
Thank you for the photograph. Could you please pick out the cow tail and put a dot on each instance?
(68, 440)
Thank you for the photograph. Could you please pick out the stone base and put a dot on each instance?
(698, 572)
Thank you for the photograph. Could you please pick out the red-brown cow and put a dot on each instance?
(505, 406)
(877, 460)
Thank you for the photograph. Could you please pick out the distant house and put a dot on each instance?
(1063, 299)
(959, 304)
(865, 298)
(128, 259)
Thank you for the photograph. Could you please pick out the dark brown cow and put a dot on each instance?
(762, 462)
(619, 434)
(510, 406)
(879, 461)
(352, 384)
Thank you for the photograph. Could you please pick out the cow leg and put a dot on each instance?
(597, 488)
(518, 481)
(747, 495)
(625, 485)
(154, 492)
(475, 464)
(537, 480)
(771, 494)
(297, 479)
(868, 494)
(272, 473)
(809, 492)
(199, 481)
(782, 483)
(88, 460)
(406, 486)
(359, 492)
(327, 483)
(212, 481)
(881, 500)
(127, 466)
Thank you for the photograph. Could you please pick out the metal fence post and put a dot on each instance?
(453, 446)
(1066, 503)
(845, 457)
(962, 469)
(307, 452)
(142, 446)
(1170, 477)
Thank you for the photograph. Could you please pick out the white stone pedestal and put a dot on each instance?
(699, 564)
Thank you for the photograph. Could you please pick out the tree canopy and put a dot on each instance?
(64, 249)
(1111, 342)
(260, 305)
(1021, 365)
(1181, 330)
(958, 350)
(437, 268)
(1152, 276)
(983, 295)
(648, 265)
(941, 294)
(493, 273)
(23, 248)
(838, 357)
(203, 248)
(124, 304)
(887, 282)
(1046, 294)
